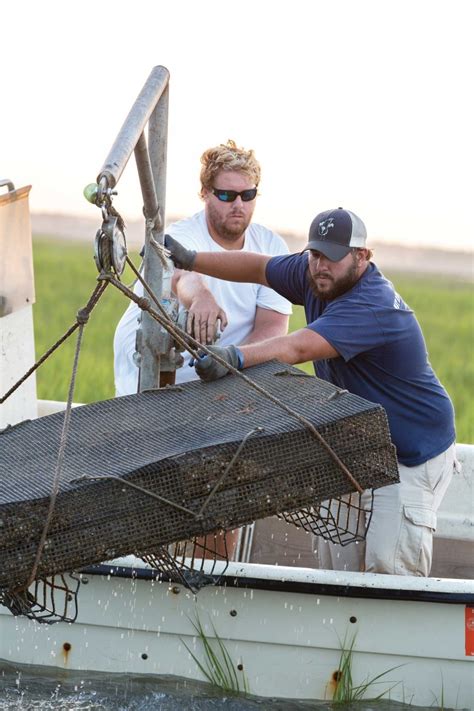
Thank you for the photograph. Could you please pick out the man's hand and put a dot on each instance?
(209, 369)
(181, 257)
(205, 316)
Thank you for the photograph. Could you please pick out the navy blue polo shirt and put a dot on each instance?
(382, 355)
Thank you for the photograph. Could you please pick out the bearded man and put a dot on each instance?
(363, 338)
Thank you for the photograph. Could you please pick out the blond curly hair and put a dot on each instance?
(227, 156)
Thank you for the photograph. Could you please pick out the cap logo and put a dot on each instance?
(324, 226)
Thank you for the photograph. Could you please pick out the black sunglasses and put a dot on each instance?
(231, 195)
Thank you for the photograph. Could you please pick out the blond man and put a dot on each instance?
(245, 313)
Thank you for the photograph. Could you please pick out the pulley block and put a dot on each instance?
(110, 248)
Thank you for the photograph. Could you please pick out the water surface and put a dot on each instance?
(34, 687)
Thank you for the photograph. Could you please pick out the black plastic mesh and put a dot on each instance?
(177, 443)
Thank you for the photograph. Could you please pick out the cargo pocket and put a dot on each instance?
(415, 544)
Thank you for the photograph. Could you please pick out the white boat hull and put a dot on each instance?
(284, 626)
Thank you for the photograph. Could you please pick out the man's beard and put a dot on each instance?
(338, 287)
(228, 232)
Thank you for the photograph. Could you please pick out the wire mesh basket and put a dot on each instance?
(47, 600)
(145, 471)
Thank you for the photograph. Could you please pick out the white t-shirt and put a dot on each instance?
(238, 300)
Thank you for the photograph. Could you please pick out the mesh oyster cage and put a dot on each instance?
(342, 520)
(138, 469)
(195, 563)
(48, 600)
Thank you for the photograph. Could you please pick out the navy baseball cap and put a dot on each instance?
(335, 232)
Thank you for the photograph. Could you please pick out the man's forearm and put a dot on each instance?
(233, 266)
(298, 347)
(188, 286)
(205, 315)
(268, 324)
(228, 265)
(271, 349)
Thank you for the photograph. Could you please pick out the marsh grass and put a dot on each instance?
(66, 275)
(217, 667)
(346, 690)
(440, 702)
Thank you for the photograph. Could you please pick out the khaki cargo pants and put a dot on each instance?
(400, 536)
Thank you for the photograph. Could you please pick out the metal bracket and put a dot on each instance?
(8, 183)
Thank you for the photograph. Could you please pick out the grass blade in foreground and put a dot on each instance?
(346, 690)
(219, 669)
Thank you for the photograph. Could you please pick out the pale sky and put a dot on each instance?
(364, 104)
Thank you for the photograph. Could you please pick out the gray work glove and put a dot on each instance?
(181, 257)
(208, 369)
